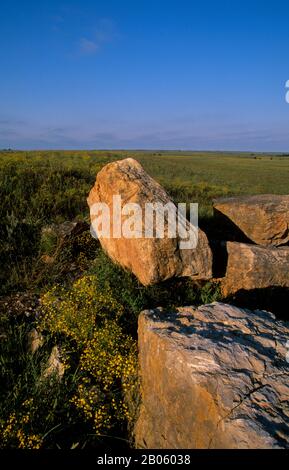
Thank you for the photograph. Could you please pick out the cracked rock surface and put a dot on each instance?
(214, 376)
(255, 267)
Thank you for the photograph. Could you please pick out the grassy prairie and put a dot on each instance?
(189, 176)
(237, 173)
(71, 292)
(43, 187)
(199, 177)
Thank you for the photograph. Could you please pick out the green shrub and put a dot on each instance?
(77, 311)
(134, 297)
(109, 366)
(89, 316)
(33, 412)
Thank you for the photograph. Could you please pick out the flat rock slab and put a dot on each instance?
(151, 259)
(255, 267)
(215, 376)
(263, 219)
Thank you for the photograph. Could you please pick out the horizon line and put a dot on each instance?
(261, 152)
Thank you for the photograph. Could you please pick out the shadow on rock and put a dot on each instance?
(272, 299)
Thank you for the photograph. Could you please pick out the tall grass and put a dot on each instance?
(39, 189)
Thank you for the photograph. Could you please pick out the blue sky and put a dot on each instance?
(144, 74)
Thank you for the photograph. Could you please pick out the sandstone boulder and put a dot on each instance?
(255, 267)
(151, 259)
(263, 219)
(213, 377)
(55, 366)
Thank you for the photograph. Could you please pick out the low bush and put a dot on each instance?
(89, 316)
(34, 412)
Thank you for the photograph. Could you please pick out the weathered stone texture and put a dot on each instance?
(263, 219)
(151, 259)
(215, 376)
(255, 267)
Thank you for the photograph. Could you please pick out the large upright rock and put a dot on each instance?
(213, 377)
(150, 259)
(255, 267)
(263, 219)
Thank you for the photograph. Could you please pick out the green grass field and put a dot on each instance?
(88, 306)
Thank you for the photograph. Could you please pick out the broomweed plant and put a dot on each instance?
(109, 362)
(17, 429)
(77, 311)
(89, 316)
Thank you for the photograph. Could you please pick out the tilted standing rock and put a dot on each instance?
(215, 376)
(150, 259)
(263, 219)
(255, 267)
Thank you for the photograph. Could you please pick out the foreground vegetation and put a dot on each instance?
(71, 293)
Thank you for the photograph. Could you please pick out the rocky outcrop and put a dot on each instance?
(34, 340)
(69, 229)
(263, 219)
(20, 304)
(55, 366)
(215, 376)
(151, 259)
(66, 230)
(255, 267)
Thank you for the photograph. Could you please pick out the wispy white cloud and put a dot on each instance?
(87, 46)
(104, 32)
(119, 133)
